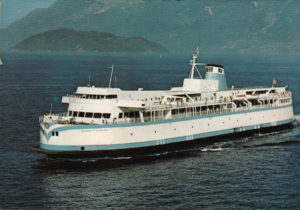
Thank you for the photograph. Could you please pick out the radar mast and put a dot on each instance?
(194, 64)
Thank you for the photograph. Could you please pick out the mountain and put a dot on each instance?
(223, 27)
(13, 10)
(71, 40)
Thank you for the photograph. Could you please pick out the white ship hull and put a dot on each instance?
(101, 138)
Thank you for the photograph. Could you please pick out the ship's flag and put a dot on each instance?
(274, 82)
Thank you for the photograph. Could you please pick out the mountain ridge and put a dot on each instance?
(86, 41)
(223, 27)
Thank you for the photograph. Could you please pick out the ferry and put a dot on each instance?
(111, 122)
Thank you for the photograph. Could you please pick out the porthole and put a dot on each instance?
(82, 148)
(154, 131)
(131, 133)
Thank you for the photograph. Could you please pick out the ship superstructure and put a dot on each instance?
(111, 121)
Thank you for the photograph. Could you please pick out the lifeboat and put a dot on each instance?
(239, 97)
(253, 96)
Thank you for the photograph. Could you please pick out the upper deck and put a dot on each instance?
(173, 108)
(197, 96)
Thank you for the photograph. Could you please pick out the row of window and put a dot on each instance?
(197, 109)
(129, 114)
(285, 100)
(86, 96)
(254, 102)
(135, 114)
(260, 92)
(89, 114)
(210, 69)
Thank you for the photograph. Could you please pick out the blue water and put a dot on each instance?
(259, 171)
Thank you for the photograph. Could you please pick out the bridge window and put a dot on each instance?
(182, 110)
(133, 114)
(174, 111)
(111, 96)
(209, 69)
(89, 114)
(87, 96)
(81, 114)
(261, 91)
(147, 114)
(106, 115)
(75, 114)
(272, 91)
(97, 115)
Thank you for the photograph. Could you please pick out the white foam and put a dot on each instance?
(216, 149)
(212, 149)
(297, 117)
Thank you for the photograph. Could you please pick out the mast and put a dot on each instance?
(89, 84)
(111, 74)
(194, 64)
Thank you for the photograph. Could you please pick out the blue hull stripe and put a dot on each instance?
(156, 142)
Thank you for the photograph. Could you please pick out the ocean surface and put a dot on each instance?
(259, 171)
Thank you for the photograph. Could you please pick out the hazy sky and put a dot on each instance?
(13, 10)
